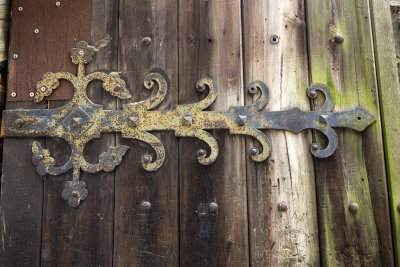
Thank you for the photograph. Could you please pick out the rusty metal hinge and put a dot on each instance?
(80, 120)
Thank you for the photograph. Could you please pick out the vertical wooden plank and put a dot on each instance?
(147, 237)
(83, 236)
(210, 46)
(356, 171)
(389, 93)
(275, 51)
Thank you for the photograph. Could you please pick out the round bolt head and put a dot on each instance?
(145, 205)
(58, 3)
(19, 122)
(36, 31)
(43, 88)
(312, 94)
(41, 157)
(15, 56)
(254, 151)
(20, 8)
(274, 39)
(241, 120)
(13, 94)
(353, 207)
(201, 153)
(200, 86)
(31, 94)
(75, 193)
(339, 38)
(213, 207)
(282, 206)
(146, 158)
(314, 147)
(146, 41)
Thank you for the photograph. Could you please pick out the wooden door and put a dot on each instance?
(290, 210)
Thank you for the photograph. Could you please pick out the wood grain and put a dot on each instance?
(210, 46)
(356, 171)
(147, 237)
(291, 237)
(59, 29)
(83, 236)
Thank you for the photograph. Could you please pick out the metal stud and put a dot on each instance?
(43, 88)
(133, 121)
(282, 206)
(31, 94)
(312, 94)
(146, 41)
(274, 39)
(213, 207)
(145, 205)
(200, 86)
(15, 56)
(323, 118)
(58, 3)
(13, 94)
(187, 120)
(20, 8)
(314, 147)
(201, 153)
(76, 122)
(254, 151)
(81, 52)
(19, 122)
(146, 158)
(339, 38)
(36, 31)
(241, 120)
(353, 207)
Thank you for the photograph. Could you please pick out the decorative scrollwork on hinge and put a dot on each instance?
(80, 121)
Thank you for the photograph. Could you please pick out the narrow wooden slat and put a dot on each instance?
(389, 93)
(83, 236)
(290, 237)
(356, 171)
(147, 237)
(210, 38)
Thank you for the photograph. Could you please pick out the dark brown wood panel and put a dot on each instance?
(210, 38)
(147, 237)
(83, 236)
(59, 27)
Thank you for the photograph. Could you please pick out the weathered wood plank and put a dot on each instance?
(389, 93)
(83, 236)
(210, 38)
(356, 171)
(290, 237)
(147, 237)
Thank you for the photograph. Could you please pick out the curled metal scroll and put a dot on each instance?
(80, 120)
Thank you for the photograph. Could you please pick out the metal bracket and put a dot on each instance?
(80, 120)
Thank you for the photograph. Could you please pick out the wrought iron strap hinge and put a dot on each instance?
(80, 120)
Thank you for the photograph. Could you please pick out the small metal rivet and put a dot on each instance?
(274, 39)
(133, 121)
(31, 94)
(241, 120)
(20, 8)
(40, 157)
(314, 147)
(145, 205)
(76, 121)
(36, 31)
(43, 88)
(75, 193)
(187, 120)
(58, 3)
(13, 94)
(353, 207)
(81, 52)
(254, 151)
(213, 207)
(146, 159)
(313, 94)
(146, 41)
(15, 56)
(19, 122)
(323, 118)
(201, 153)
(200, 86)
(282, 206)
(339, 38)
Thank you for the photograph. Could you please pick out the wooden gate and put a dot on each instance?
(290, 210)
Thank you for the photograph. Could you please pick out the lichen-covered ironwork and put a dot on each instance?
(80, 120)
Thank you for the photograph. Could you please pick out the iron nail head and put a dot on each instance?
(36, 31)
(145, 205)
(339, 38)
(282, 206)
(213, 207)
(146, 41)
(31, 94)
(15, 56)
(20, 8)
(254, 151)
(353, 207)
(13, 94)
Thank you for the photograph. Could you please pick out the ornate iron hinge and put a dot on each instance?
(80, 120)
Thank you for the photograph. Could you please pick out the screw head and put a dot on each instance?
(145, 205)
(58, 3)
(36, 31)
(19, 122)
(353, 207)
(274, 39)
(254, 151)
(13, 94)
(187, 120)
(43, 88)
(200, 86)
(282, 206)
(15, 56)
(31, 94)
(312, 94)
(146, 158)
(201, 153)
(75, 193)
(213, 207)
(241, 120)
(76, 122)
(133, 121)
(314, 147)
(146, 41)
(339, 38)
(20, 8)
